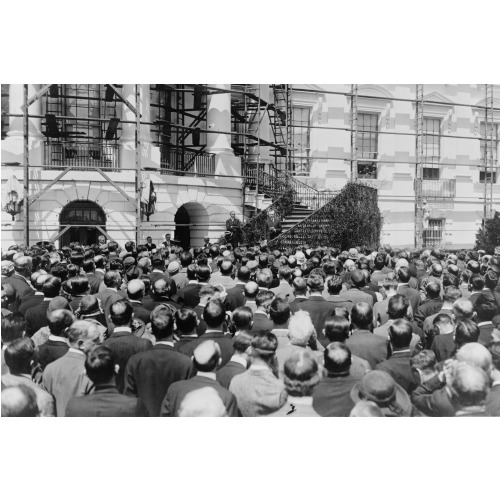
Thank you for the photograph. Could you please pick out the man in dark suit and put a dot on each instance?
(442, 342)
(398, 364)
(485, 311)
(20, 280)
(110, 295)
(236, 296)
(186, 323)
(238, 362)
(404, 289)
(191, 295)
(261, 321)
(299, 286)
(158, 271)
(105, 400)
(149, 244)
(332, 396)
(214, 315)
(149, 374)
(318, 308)
(363, 342)
(233, 225)
(431, 305)
(94, 279)
(34, 297)
(162, 293)
(36, 317)
(123, 343)
(80, 288)
(135, 294)
(273, 225)
(57, 345)
(355, 294)
(206, 358)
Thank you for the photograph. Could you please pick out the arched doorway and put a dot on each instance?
(82, 217)
(191, 224)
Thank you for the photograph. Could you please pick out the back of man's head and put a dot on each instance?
(300, 286)
(214, 314)
(206, 356)
(100, 365)
(469, 385)
(19, 401)
(400, 334)
(135, 289)
(242, 318)
(398, 306)
(242, 342)
(112, 279)
(485, 308)
(204, 402)
(475, 354)
(13, 328)
(58, 321)
(51, 287)
(358, 278)
(315, 283)
(285, 273)
(337, 328)
(362, 315)
(279, 312)
(436, 270)
(264, 298)
(490, 280)
(19, 355)
(300, 328)
(251, 290)
(463, 309)
(425, 361)
(226, 268)
(301, 374)
(433, 289)
(334, 285)
(186, 259)
(404, 275)
(162, 324)
(23, 265)
(451, 294)
(203, 273)
(466, 331)
(243, 274)
(264, 278)
(121, 313)
(337, 358)
(379, 261)
(264, 346)
(476, 282)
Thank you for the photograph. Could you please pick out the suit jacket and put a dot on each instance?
(191, 294)
(36, 318)
(332, 396)
(428, 322)
(95, 281)
(65, 379)
(493, 402)
(140, 312)
(366, 345)
(340, 302)
(154, 277)
(182, 342)
(443, 346)
(398, 366)
(426, 309)
(356, 295)
(485, 333)
(201, 328)
(235, 297)
(273, 228)
(228, 372)
(124, 345)
(108, 297)
(380, 314)
(44, 400)
(225, 343)
(258, 392)
(50, 351)
(20, 286)
(149, 374)
(411, 294)
(432, 399)
(261, 323)
(106, 401)
(178, 390)
(296, 407)
(319, 309)
(28, 301)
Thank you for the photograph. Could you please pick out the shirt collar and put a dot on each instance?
(496, 382)
(304, 401)
(210, 375)
(165, 342)
(484, 323)
(193, 282)
(76, 351)
(38, 293)
(259, 368)
(238, 359)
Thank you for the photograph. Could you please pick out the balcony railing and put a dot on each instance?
(176, 161)
(58, 155)
(436, 188)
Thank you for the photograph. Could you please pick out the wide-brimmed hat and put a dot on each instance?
(353, 254)
(58, 303)
(173, 267)
(301, 258)
(379, 387)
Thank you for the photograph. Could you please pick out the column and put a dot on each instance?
(16, 100)
(265, 133)
(219, 119)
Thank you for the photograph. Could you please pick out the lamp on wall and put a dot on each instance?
(11, 195)
(13, 206)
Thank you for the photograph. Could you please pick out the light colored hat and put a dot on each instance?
(353, 254)
(226, 253)
(301, 258)
(173, 267)
(349, 262)
(402, 263)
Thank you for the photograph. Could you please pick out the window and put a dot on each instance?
(433, 235)
(367, 145)
(486, 152)
(301, 120)
(431, 148)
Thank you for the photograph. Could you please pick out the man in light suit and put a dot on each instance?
(65, 378)
(258, 390)
(234, 226)
(206, 358)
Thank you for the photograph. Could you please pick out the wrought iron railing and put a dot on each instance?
(59, 155)
(177, 161)
(436, 188)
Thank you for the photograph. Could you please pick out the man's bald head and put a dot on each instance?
(160, 287)
(19, 401)
(204, 402)
(207, 356)
(23, 265)
(251, 290)
(475, 354)
(469, 385)
(135, 289)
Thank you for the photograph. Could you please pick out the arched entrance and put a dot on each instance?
(191, 224)
(82, 217)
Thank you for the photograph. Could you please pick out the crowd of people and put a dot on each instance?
(223, 331)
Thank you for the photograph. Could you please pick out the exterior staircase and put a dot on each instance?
(299, 213)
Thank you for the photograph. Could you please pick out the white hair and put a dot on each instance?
(300, 328)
